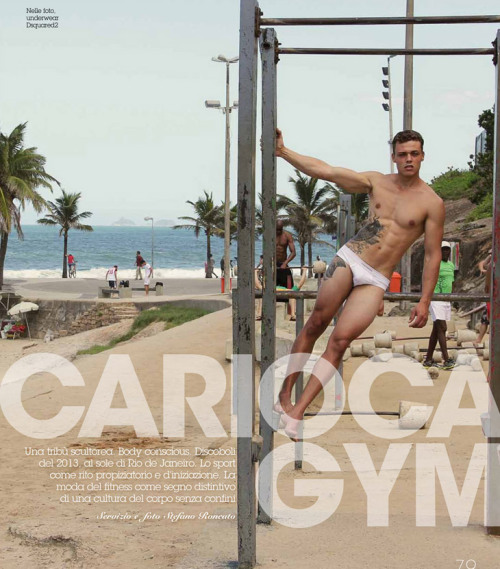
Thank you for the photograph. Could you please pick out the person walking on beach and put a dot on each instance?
(112, 276)
(138, 264)
(148, 275)
(402, 208)
(71, 266)
(284, 241)
(441, 310)
(211, 268)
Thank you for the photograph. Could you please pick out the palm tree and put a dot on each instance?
(21, 173)
(207, 217)
(312, 213)
(359, 207)
(64, 212)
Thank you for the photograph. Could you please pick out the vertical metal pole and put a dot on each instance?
(408, 91)
(493, 473)
(245, 317)
(390, 111)
(344, 233)
(299, 385)
(227, 196)
(407, 124)
(268, 43)
(152, 243)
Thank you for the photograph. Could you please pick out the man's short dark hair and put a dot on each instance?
(407, 136)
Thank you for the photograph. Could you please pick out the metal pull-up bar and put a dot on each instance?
(382, 51)
(250, 447)
(378, 21)
(391, 296)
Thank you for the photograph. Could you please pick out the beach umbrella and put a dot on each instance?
(23, 308)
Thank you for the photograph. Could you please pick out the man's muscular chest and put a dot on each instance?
(406, 209)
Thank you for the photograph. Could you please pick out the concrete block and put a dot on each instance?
(125, 292)
(413, 415)
(229, 350)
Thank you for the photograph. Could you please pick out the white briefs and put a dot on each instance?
(362, 273)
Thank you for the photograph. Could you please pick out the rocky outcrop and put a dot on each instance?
(475, 242)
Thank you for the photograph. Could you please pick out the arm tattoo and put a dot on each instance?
(333, 266)
(367, 236)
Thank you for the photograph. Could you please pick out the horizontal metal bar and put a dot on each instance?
(394, 296)
(391, 413)
(378, 21)
(382, 51)
(453, 297)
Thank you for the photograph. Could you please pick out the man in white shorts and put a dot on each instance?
(440, 311)
(402, 208)
(148, 275)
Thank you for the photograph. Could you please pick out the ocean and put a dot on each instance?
(177, 252)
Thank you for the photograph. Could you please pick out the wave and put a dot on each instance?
(100, 273)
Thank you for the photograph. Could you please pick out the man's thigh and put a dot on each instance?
(359, 311)
(441, 325)
(332, 293)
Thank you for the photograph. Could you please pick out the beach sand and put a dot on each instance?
(39, 531)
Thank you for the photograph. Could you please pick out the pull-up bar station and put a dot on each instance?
(253, 447)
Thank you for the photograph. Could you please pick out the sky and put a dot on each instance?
(114, 97)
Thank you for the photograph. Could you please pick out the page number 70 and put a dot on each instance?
(466, 563)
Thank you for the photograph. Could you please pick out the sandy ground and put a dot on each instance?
(38, 531)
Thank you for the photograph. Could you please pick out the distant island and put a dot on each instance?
(165, 223)
(122, 222)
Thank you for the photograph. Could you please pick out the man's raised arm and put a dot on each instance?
(349, 180)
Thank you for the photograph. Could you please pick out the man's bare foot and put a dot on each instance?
(286, 403)
(291, 427)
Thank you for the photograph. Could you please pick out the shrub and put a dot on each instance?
(483, 209)
(455, 184)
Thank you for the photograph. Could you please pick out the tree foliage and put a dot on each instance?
(313, 211)
(207, 217)
(482, 164)
(64, 212)
(22, 173)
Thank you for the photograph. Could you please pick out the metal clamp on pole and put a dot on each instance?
(256, 448)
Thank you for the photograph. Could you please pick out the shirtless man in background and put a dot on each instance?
(284, 241)
(402, 208)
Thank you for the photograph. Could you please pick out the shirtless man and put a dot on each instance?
(402, 208)
(284, 241)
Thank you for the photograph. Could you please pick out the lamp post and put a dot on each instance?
(407, 124)
(227, 210)
(388, 106)
(152, 239)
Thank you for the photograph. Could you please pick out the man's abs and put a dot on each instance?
(381, 244)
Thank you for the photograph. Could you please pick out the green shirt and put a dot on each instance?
(446, 277)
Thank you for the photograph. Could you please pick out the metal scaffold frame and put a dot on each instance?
(251, 446)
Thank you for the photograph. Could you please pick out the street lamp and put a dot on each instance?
(388, 106)
(212, 104)
(152, 239)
